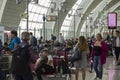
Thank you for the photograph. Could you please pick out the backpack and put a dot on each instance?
(63, 67)
(54, 38)
(20, 60)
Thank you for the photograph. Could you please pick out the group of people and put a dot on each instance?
(43, 63)
(34, 65)
(97, 53)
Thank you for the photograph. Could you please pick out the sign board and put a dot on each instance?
(51, 18)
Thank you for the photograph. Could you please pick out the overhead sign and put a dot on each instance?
(51, 18)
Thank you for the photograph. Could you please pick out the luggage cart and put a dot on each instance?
(5, 62)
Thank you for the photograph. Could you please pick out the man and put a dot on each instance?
(44, 65)
(21, 59)
(14, 40)
(61, 40)
(116, 45)
(33, 40)
(53, 37)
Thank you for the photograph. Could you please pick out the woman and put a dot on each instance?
(98, 55)
(83, 47)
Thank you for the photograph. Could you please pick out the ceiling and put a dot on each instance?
(12, 12)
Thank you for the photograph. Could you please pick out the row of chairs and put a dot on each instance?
(60, 55)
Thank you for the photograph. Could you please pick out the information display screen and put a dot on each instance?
(112, 20)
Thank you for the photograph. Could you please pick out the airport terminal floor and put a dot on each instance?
(111, 71)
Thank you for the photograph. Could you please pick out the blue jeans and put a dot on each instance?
(27, 76)
(98, 67)
(3, 74)
(117, 52)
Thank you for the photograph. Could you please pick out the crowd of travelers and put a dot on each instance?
(32, 57)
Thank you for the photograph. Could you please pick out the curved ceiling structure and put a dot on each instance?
(11, 14)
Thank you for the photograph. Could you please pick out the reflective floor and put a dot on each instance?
(111, 71)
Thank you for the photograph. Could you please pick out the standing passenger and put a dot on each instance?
(98, 55)
(24, 72)
(61, 40)
(116, 45)
(14, 40)
(83, 47)
(33, 40)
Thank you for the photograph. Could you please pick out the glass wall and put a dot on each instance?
(35, 17)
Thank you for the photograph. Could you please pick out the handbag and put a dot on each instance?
(76, 56)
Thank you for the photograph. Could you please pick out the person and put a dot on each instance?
(53, 37)
(44, 65)
(61, 40)
(116, 46)
(6, 45)
(14, 40)
(98, 56)
(33, 40)
(1, 48)
(83, 47)
(2, 71)
(26, 73)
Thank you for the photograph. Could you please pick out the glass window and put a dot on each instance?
(68, 19)
(38, 9)
(83, 27)
(75, 6)
(40, 18)
(35, 17)
(29, 24)
(66, 22)
(36, 12)
(31, 15)
(79, 1)
(30, 7)
(64, 28)
(41, 2)
(47, 3)
(39, 25)
(43, 10)
(34, 8)
(33, 25)
(23, 24)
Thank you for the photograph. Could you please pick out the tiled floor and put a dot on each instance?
(111, 71)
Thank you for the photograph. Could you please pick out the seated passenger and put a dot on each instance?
(44, 65)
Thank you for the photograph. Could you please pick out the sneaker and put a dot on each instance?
(95, 78)
(90, 71)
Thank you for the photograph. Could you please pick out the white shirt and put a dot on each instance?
(39, 59)
(50, 58)
(61, 39)
(117, 42)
